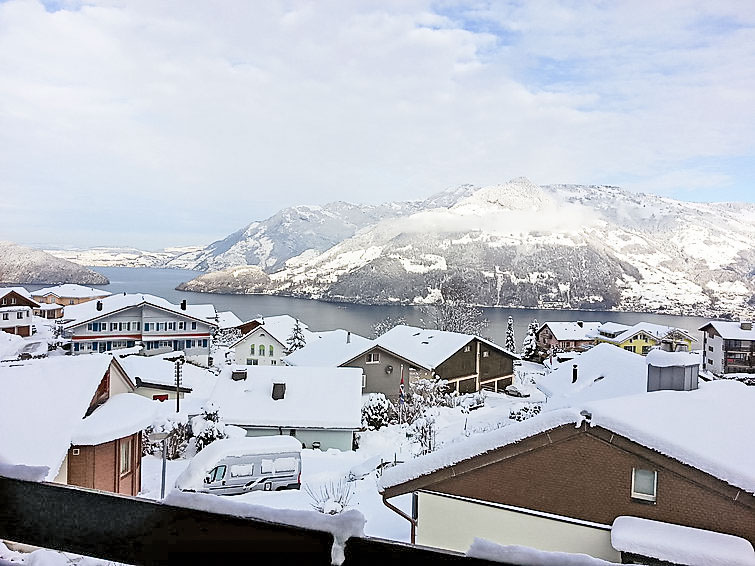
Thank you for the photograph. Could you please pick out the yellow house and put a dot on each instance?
(643, 336)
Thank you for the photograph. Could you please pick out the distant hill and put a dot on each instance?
(27, 266)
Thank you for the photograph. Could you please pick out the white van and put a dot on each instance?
(236, 465)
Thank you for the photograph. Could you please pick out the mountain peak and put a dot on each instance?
(516, 194)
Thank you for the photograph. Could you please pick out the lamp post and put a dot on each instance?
(161, 437)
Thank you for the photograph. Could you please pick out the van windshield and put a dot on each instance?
(216, 474)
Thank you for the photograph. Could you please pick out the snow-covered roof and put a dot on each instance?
(613, 327)
(678, 544)
(314, 397)
(84, 312)
(477, 445)
(660, 358)
(329, 349)
(572, 330)
(227, 319)
(280, 327)
(41, 403)
(71, 290)
(159, 371)
(428, 348)
(120, 416)
(603, 371)
(49, 306)
(658, 331)
(709, 428)
(10, 345)
(200, 465)
(730, 330)
(20, 290)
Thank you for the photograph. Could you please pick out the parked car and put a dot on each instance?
(237, 465)
(516, 390)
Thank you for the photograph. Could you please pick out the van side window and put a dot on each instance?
(267, 466)
(241, 470)
(285, 465)
(217, 474)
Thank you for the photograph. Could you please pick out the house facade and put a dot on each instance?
(126, 321)
(264, 341)
(551, 485)
(67, 295)
(16, 310)
(566, 336)
(644, 336)
(728, 347)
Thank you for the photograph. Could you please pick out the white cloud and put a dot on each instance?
(153, 123)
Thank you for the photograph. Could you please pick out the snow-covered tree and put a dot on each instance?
(377, 411)
(510, 342)
(177, 427)
(296, 340)
(423, 430)
(385, 324)
(529, 345)
(208, 427)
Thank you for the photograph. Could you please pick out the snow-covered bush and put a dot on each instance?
(422, 431)
(422, 394)
(208, 427)
(177, 440)
(470, 400)
(331, 498)
(525, 412)
(377, 411)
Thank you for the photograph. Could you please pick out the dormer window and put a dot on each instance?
(279, 391)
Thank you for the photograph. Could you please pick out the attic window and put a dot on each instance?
(644, 484)
(279, 391)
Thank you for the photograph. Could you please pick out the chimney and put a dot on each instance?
(238, 374)
(574, 373)
(745, 325)
(99, 305)
(183, 305)
(348, 337)
(580, 323)
(279, 391)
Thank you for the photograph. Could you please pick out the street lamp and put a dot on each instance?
(161, 437)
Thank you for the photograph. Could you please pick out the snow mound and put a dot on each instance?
(527, 556)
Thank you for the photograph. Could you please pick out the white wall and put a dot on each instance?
(259, 337)
(452, 524)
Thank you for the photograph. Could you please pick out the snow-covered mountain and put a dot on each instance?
(128, 257)
(27, 266)
(516, 244)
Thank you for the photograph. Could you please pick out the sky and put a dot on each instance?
(153, 124)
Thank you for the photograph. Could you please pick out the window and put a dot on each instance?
(285, 464)
(267, 466)
(171, 326)
(629, 348)
(13, 300)
(644, 483)
(19, 315)
(76, 347)
(373, 358)
(710, 348)
(137, 325)
(486, 354)
(251, 362)
(270, 350)
(5, 316)
(193, 325)
(645, 350)
(147, 326)
(251, 349)
(364, 380)
(182, 326)
(160, 326)
(113, 326)
(125, 456)
(70, 301)
(262, 350)
(273, 362)
(467, 348)
(239, 470)
(204, 343)
(190, 343)
(216, 474)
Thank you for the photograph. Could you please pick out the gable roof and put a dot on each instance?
(314, 397)
(227, 319)
(71, 290)
(23, 294)
(657, 331)
(709, 429)
(20, 290)
(329, 349)
(279, 327)
(155, 370)
(572, 330)
(87, 312)
(730, 330)
(41, 403)
(428, 348)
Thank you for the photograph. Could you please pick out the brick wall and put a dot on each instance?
(588, 476)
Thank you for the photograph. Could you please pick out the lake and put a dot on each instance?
(321, 315)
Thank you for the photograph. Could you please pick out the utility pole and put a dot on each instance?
(179, 363)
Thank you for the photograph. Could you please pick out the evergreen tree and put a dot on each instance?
(510, 342)
(296, 340)
(529, 345)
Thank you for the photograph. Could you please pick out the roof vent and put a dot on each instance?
(99, 305)
(580, 323)
(348, 337)
(745, 325)
(586, 414)
(183, 305)
(574, 373)
(279, 391)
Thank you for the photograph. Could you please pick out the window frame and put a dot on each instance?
(646, 497)
(372, 358)
(125, 456)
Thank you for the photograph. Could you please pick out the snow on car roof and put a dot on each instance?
(201, 464)
(84, 312)
(314, 397)
(41, 403)
(679, 544)
(71, 290)
(120, 416)
(709, 428)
